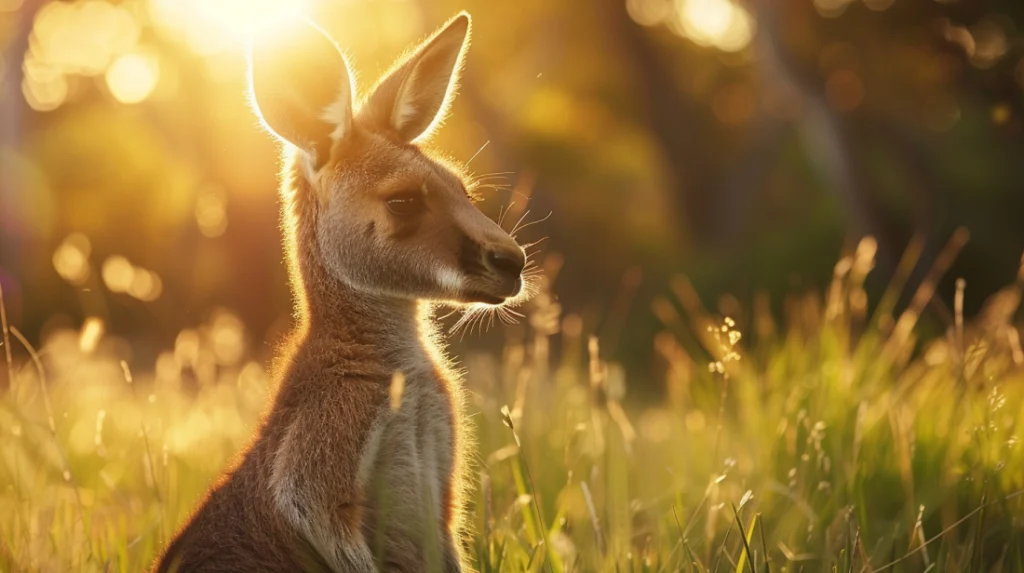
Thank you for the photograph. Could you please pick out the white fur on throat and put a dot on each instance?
(450, 280)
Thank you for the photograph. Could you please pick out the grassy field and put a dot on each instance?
(829, 440)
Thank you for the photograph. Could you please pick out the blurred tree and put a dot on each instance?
(741, 142)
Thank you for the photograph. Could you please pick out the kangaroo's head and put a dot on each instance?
(389, 218)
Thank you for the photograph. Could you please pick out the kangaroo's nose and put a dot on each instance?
(507, 261)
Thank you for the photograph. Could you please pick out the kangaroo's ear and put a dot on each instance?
(415, 95)
(301, 87)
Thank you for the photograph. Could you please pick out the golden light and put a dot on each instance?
(649, 12)
(71, 259)
(69, 39)
(695, 421)
(44, 88)
(211, 214)
(118, 274)
(132, 77)
(83, 37)
(227, 334)
(186, 347)
(145, 286)
(121, 276)
(89, 337)
(252, 375)
(704, 20)
(241, 17)
(212, 26)
(722, 24)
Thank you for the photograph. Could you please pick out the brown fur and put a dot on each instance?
(336, 479)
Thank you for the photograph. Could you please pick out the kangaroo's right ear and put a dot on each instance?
(301, 87)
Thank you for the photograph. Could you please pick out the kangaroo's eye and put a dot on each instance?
(406, 204)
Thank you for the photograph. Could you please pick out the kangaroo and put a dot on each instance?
(341, 476)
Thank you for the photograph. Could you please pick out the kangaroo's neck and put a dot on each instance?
(386, 328)
(391, 332)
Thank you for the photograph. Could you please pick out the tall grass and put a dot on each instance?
(833, 441)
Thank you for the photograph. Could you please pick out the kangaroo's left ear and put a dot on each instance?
(414, 97)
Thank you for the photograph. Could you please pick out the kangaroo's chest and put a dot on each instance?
(410, 481)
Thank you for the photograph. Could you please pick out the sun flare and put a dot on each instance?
(211, 26)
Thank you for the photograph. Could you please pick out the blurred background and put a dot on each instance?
(746, 145)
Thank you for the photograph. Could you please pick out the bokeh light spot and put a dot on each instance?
(118, 274)
(186, 347)
(961, 36)
(132, 77)
(145, 286)
(73, 39)
(649, 12)
(718, 23)
(211, 213)
(89, 338)
(706, 19)
(991, 43)
(1001, 113)
(71, 259)
(656, 425)
(831, 8)
(121, 276)
(44, 92)
(227, 333)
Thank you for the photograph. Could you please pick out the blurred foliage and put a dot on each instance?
(746, 143)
